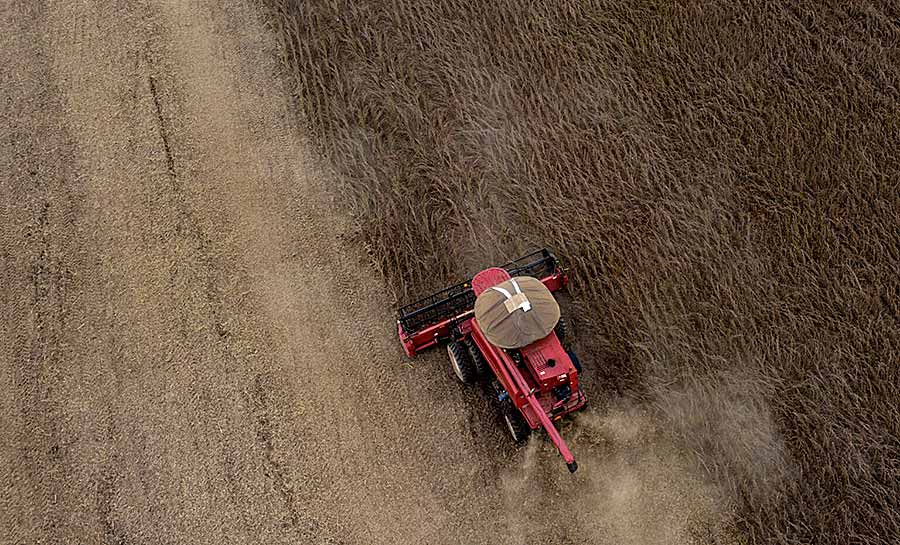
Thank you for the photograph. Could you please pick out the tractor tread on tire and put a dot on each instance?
(481, 365)
(575, 361)
(461, 363)
(515, 423)
(561, 330)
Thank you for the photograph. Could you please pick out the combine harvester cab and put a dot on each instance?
(504, 327)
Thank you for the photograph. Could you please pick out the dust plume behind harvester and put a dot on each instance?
(504, 328)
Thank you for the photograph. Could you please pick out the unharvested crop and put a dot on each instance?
(722, 178)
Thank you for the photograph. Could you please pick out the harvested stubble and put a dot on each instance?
(722, 177)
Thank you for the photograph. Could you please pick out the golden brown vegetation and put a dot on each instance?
(723, 179)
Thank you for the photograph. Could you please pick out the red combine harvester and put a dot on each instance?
(504, 327)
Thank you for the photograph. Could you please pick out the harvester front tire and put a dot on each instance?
(461, 363)
(515, 423)
(481, 365)
(561, 330)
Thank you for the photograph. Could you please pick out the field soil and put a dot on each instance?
(191, 351)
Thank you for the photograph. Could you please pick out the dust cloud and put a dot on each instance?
(633, 487)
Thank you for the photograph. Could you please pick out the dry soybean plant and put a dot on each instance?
(722, 178)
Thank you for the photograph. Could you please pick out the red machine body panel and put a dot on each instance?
(548, 362)
(488, 278)
(523, 395)
(563, 375)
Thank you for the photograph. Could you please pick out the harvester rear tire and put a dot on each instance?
(461, 363)
(561, 330)
(575, 361)
(481, 364)
(515, 423)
